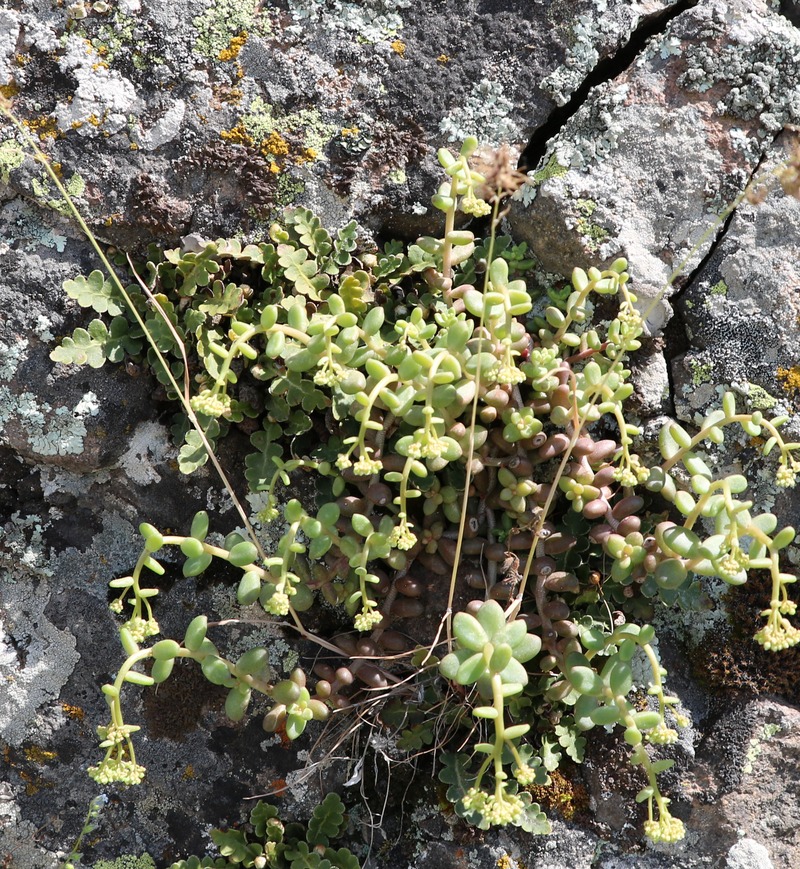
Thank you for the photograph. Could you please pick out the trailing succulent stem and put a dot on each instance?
(469, 438)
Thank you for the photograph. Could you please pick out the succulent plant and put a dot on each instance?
(450, 410)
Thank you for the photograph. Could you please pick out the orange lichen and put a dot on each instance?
(237, 135)
(398, 47)
(274, 145)
(307, 155)
(73, 712)
(790, 378)
(278, 787)
(561, 795)
(37, 754)
(44, 128)
(234, 47)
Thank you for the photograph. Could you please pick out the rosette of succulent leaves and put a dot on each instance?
(468, 436)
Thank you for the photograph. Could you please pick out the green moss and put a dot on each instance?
(701, 371)
(719, 289)
(756, 745)
(554, 168)
(594, 234)
(11, 157)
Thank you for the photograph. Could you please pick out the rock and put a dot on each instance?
(643, 166)
(198, 119)
(340, 108)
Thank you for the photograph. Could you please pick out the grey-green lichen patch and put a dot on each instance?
(11, 355)
(551, 169)
(114, 36)
(701, 371)
(29, 231)
(607, 23)
(486, 113)
(41, 328)
(49, 431)
(593, 233)
(114, 549)
(103, 99)
(148, 447)
(23, 548)
(757, 64)
(719, 289)
(47, 195)
(594, 131)
(126, 861)
(368, 20)
(35, 676)
(261, 121)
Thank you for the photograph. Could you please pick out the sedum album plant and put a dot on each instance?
(468, 435)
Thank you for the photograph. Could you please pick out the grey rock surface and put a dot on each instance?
(209, 117)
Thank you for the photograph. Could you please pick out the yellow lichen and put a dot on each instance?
(442, 58)
(9, 91)
(234, 47)
(94, 120)
(349, 131)
(398, 47)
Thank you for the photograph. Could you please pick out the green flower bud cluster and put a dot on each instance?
(490, 653)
